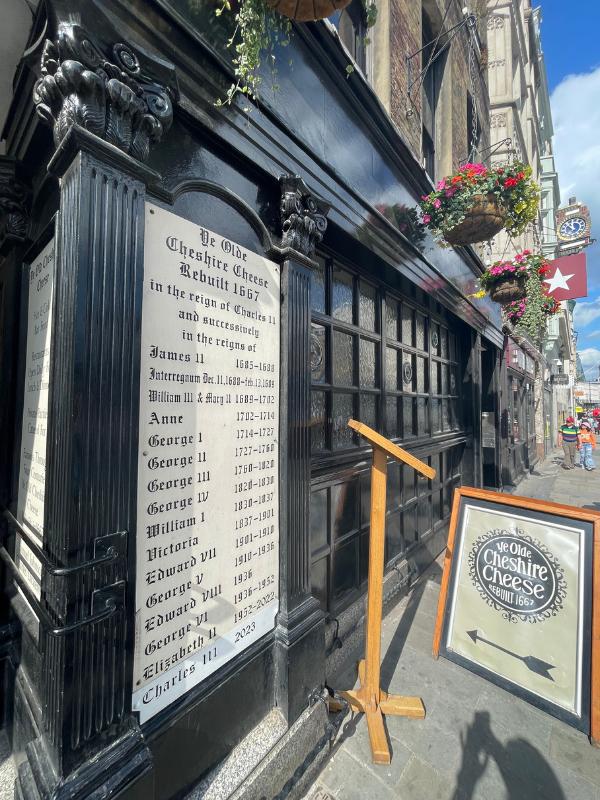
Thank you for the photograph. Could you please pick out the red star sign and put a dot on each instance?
(567, 278)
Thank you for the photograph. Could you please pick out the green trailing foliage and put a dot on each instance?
(529, 314)
(259, 31)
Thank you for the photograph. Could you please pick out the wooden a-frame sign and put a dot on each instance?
(519, 601)
(370, 698)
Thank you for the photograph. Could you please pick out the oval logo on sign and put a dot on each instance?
(517, 575)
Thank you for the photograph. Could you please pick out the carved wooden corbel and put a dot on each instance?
(111, 95)
(303, 216)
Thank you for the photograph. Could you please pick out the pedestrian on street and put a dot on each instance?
(569, 432)
(587, 443)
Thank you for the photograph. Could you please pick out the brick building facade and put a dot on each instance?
(403, 29)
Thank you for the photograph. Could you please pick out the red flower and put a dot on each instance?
(520, 176)
(457, 179)
(510, 182)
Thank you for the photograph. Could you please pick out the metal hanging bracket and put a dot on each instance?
(107, 550)
(469, 21)
(105, 602)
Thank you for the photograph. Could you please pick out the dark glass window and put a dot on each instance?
(393, 364)
(351, 24)
(400, 377)
(339, 522)
(432, 63)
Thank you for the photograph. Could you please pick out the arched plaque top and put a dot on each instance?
(224, 194)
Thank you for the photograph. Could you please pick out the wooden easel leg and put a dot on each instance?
(399, 705)
(379, 745)
(369, 698)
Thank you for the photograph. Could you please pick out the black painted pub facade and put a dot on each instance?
(373, 326)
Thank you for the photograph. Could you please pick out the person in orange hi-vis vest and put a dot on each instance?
(586, 444)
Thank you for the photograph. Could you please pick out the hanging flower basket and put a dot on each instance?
(529, 314)
(508, 290)
(506, 281)
(307, 10)
(483, 220)
(477, 203)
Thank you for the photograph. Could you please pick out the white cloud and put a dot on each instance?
(576, 116)
(585, 313)
(590, 359)
(593, 335)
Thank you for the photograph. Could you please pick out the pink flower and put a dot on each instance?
(441, 185)
(526, 252)
(437, 202)
(426, 218)
(519, 258)
(424, 197)
(450, 192)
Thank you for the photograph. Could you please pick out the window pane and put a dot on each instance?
(317, 353)
(317, 287)
(391, 311)
(452, 346)
(407, 326)
(343, 410)
(446, 415)
(445, 380)
(422, 364)
(409, 378)
(422, 421)
(391, 368)
(368, 410)
(435, 339)
(367, 358)
(436, 422)
(344, 504)
(318, 520)
(409, 416)
(453, 381)
(420, 332)
(343, 359)
(317, 421)
(444, 342)
(367, 306)
(393, 428)
(341, 304)
(435, 377)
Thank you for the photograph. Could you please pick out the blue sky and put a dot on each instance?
(572, 55)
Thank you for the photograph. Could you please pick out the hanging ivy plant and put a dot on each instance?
(259, 31)
(530, 313)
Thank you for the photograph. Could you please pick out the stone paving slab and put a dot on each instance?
(477, 741)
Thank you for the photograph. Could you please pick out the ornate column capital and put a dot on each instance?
(15, 200)
(303, 216)
(114, 95)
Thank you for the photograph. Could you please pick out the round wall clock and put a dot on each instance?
(572, 228)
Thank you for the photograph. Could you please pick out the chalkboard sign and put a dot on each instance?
(517, 604)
